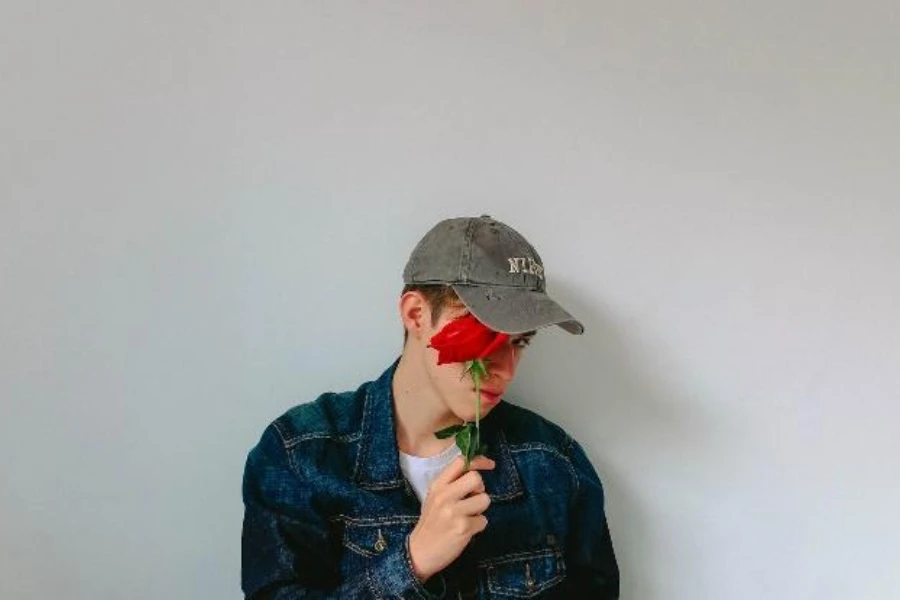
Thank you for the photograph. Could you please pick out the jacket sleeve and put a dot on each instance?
(289, 551)
(592, 570)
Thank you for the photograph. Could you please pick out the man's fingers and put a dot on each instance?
(451, 472)
(482, 463)
(455, 469)
(474, 505)
(477, 524)
(465, 485)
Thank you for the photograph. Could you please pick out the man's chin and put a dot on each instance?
(486, 409)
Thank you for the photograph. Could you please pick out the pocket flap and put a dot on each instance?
(525, 574)
(372, 537)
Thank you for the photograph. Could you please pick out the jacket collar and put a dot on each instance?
(378, 460)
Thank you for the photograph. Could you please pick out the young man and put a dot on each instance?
(354, 496)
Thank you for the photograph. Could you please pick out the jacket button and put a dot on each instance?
(529, 582)
(380, 544)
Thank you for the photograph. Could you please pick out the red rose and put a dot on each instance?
(469, 341)
(466, 338)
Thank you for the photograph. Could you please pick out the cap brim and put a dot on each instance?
(515, 310)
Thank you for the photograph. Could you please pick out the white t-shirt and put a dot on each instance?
(420, 471)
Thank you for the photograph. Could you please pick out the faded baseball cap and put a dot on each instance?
(493, 269)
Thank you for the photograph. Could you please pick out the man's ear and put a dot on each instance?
(415, 313)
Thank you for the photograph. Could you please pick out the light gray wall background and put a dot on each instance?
(205, 208)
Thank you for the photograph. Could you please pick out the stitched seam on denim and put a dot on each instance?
(570, 445)
(539, 446)
(509, 471)
(371, 584)
(291, 441)
(374, 521)
(382, 485)
(281, 432)
(359, 549)
(518, 556)
(496, 587)
(503, 496)
(343, 438)
(292, 465)
(417, 585)
(364, 428)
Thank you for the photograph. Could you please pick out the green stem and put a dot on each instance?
(476, 375)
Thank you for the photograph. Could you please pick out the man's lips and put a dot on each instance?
(490, 397)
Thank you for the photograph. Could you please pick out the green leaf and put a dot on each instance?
(472, 452)
(464, 441)
(447, 432)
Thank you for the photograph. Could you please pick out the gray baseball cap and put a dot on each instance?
(497, 274)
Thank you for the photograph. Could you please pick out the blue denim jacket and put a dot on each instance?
(328, 511)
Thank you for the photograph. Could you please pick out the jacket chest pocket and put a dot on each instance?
(523, 574)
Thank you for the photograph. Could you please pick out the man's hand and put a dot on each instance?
(450, 516)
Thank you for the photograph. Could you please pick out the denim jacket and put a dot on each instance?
(328, 511)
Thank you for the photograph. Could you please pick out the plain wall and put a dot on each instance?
(205, 208)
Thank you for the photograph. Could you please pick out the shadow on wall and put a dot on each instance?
(624, 414)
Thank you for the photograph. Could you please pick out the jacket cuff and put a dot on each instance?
(393, 575)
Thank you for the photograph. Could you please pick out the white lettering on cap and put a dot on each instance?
(525, 264)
